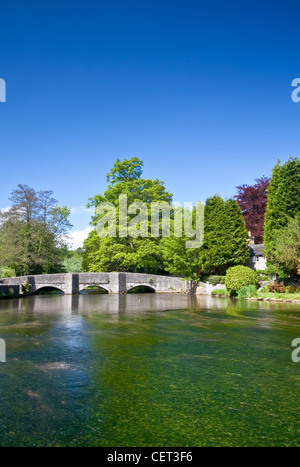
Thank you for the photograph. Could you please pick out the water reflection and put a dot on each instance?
(135, 303)
(113, 304)
(148, 369)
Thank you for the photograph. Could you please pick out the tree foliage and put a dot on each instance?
(238, 277)
(283, 202)
(178, 259)
(252, 200)
(32, 232)
(225, 242)
(225, 236)
(72, 261)
(120, 253)
(285, 253)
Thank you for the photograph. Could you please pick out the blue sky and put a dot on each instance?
(201, 91)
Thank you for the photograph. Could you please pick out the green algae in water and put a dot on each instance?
(148, 370)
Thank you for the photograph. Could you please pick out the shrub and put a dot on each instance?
(7, 272)
(240, 276)
(219, 292)
(293, 289)
(264, 278)
(26, 287)
(214, 280)
(247, 292)
(277, 287)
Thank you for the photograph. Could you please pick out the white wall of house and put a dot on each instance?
(258, 263)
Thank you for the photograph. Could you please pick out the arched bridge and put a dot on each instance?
(112, 282)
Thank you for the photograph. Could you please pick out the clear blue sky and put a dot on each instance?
(201, 91)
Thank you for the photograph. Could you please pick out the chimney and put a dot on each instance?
(251, 239)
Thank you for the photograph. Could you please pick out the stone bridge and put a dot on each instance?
(111, 282)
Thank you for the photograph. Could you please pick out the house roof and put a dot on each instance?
(257, 250)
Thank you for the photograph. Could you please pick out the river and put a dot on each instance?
(148, 370)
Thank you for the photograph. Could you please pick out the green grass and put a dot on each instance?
(220, 292)
(247, 292)
(285, 296)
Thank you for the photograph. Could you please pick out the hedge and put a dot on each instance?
(214, 280)
(240, 276)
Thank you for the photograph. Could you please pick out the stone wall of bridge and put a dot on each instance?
(114, 282)
(161, 284)
(9, 291)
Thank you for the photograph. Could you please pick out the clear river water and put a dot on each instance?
(148, 370)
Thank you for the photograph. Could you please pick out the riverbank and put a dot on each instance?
(263, 296)
(276, 297)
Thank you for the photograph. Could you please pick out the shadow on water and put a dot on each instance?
(93, 291)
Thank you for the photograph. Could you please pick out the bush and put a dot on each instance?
(214, 280)
(293, 289)
(26, 287)
(219, 292)
(264, 278)
(238, 277)
(7, 272)
(247, 292)
(281, 288)
(278, 287)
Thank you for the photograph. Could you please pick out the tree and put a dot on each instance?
(32, 232)
(225, 236)
(285, 254)
(124, 253)
(237, 233)
(283, 201)
(252, 200)
(25, 203)
(45, 204)
(72, 262)
(225, 242)
(178, 259)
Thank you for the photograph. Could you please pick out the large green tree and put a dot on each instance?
(32, 232)
(225, 242)
(178, 259)
(225, 236)
(125, 253)
(283, 202)
(285, 254)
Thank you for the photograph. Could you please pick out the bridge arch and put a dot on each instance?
(86, 287)
(140, 288)
(48, 289)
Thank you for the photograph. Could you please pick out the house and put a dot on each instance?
(257, 259)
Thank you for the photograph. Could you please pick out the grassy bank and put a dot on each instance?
(260, 295)
(275, 295)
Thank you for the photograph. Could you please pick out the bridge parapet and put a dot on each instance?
(113, 282)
